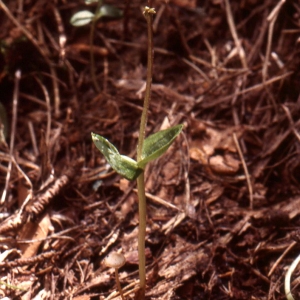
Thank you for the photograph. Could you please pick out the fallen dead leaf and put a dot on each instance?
(35, 232)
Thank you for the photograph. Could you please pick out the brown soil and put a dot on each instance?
(223, 202)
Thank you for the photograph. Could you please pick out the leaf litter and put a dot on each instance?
(223, 202)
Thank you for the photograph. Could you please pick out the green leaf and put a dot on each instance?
(110, 11)
(82, 18)
(158, 143)
(123, 165)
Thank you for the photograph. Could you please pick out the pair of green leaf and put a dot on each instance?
(154, 146)
(84, 17)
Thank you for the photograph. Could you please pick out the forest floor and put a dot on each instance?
(223, 203)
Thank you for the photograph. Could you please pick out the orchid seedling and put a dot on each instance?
(84, 17)
(148, 149)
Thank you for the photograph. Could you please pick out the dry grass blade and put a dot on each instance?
(13, 133)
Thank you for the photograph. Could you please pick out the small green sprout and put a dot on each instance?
(147, 150)
(288, 275)
(84, 17)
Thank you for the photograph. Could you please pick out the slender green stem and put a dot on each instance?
(140, 180)
(92, 55)
(142, 230)
(143, 124)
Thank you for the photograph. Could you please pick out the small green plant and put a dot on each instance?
(287, 281)
(84, 17)
(147, 150)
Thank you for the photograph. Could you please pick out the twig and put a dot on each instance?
(232, 28)
(48, 105)
(255, 87)
(159, 200)
(288, 114)
(272, 19)
(31, 209)
(281, 257)
(27, 261)
(39, 203)
(159, 14)
(41, 51)
(13, 133)
(62, 35)
(33, 139)
(105, 73)
(197, 69)
(189, 207)
(241, 54)
(254, 51)
(250, 189)
(20, 9)
(214, 59)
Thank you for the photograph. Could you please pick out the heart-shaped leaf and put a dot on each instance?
(82, 18)
(158, 143)
(123, 165)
